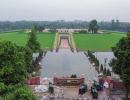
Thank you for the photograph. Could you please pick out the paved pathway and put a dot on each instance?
(71, 93)
(56, 40)
(72, 41)
(64, 43)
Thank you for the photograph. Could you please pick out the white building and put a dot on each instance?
(46, 30)
(66, 30)
(28, 30)
(70, 30)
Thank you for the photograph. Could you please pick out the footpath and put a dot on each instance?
(56, 41)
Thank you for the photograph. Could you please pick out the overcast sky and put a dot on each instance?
(64, 9)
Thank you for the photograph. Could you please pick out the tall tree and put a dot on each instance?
(13, 71)
(21, 93)
(108, 72)
(18, 92)
(122, 64)
(40, 28)
(28, 55)
(112, 62)
(113, 24)
(101, 68)
(32, 43)
(104, 71)
(12, 63)
(93, 26)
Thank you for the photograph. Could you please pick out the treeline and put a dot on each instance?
(5, 26)
(115, 25)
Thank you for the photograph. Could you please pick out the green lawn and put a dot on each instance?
(97, 42)
(46, 39)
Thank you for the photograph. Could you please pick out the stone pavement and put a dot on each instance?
(71, 93)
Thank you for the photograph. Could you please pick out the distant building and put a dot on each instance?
(28, 30)
(46, 30)
(62, 30)
(70, 30)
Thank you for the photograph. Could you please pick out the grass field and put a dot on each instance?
(45, 39)
(97, 42)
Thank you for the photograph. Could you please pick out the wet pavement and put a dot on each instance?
(69, 63)
(71, 93)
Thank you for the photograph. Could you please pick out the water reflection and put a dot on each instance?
(65, 63)
(102, 56)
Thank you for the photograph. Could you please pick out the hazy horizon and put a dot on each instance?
(68, 10)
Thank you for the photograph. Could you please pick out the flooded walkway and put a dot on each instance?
(65, 62)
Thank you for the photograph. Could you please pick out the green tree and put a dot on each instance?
(28, 59)
(20, 92)
(23, 93)
(122, 65)
(101, 68)
(32, 43)
(73, 76)
(115, 24)
(112, 62)
(40, 28)
(12, 63)
(93, 26)
(104, 71)
(108, 72)
(3, 89)
(13, 72)
(96, 62)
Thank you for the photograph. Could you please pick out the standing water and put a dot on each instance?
(64, 63)
(104, 58)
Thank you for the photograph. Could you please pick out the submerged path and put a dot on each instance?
(64, 62)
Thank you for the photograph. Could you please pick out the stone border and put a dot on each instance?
(56, 41)
(72, 41)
